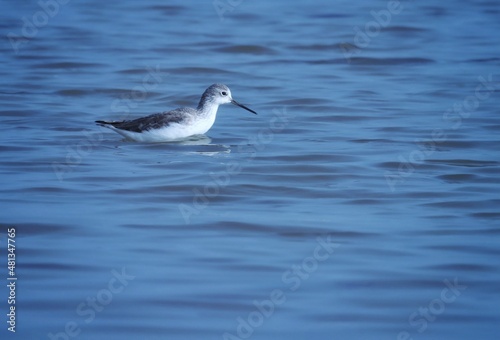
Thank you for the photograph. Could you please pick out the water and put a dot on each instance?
(361, 203)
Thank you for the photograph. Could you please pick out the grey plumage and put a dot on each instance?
(154, 121)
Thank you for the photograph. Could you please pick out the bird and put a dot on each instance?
(179, 123)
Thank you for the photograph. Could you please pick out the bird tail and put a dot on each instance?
(104, 123)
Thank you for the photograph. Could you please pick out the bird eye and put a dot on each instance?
(224, 93)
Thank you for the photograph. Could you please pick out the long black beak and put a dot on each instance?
(242, 106)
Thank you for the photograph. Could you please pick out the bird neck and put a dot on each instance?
(207, 108)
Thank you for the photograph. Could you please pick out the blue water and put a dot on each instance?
(361, 203)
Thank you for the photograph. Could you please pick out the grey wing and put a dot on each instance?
(154, 121)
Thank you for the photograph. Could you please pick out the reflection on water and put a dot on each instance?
(390, 154)
(196, 140)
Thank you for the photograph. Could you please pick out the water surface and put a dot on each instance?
(361, 203)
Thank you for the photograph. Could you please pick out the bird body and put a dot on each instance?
(179, 123)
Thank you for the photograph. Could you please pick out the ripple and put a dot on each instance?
(68, 65)
(470, 163)
(467, 205)
(198, 70)
(389, 61)
(463, 267)
(457, 178)
(246, 49)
